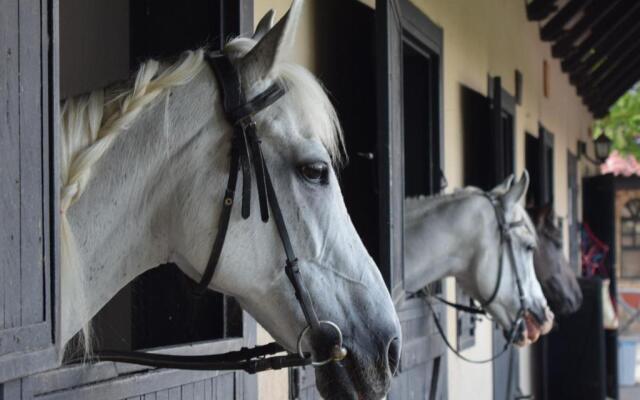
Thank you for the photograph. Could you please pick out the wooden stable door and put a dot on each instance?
(27, 252)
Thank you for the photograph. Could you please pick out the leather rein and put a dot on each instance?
(504, 229)
(246, 155)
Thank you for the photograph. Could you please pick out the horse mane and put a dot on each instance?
(424, 203)
(90, 124)
(417, 206)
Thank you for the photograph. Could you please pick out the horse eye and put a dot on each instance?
(530, 247)
(317, 172)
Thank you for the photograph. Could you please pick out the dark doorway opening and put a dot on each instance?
(539, 164)
(422, 174)
(165, 28)
(489, 135)
(158, 308)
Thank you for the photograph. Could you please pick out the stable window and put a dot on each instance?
(539, 163)
(489, 135)
(156, 309)
(502, 122)
(422, 174)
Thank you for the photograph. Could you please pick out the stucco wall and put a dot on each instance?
(481, 38)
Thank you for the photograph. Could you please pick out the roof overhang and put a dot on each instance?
(598, 43)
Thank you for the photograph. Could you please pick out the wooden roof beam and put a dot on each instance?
(537, 10)
(617, 22)
(619, 75)
(618, 55)
(607, 52)
(594, 12)
(555, 27)
(615, 93)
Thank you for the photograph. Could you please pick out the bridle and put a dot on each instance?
(246, 155)
(504, 230)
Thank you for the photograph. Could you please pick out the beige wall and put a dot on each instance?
(481, 38)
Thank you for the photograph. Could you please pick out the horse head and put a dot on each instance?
(559, 282)
(301, 142)
(505, 278)
(144, 173)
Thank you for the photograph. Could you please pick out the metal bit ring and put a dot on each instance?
(338, 352)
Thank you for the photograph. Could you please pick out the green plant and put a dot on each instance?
(622, 124)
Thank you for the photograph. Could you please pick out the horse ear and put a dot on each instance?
(503, 187)
(264, 25)
(259, 62)
(515, 192)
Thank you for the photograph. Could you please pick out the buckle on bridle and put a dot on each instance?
(246, 122)
(338, 351)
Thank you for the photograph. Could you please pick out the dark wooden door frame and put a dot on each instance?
(573, 220)
(502, 102)
(399, 21)
(547, 167)
(409, 23)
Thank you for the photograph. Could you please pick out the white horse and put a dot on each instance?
(459, 235)
(144, 172)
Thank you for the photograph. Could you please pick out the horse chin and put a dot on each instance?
(352, 379)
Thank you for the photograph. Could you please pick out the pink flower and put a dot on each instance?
(620, 165)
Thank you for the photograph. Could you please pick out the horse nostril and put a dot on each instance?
(393, 355)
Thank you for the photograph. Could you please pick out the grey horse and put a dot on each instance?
(559, 283)
(459, 235)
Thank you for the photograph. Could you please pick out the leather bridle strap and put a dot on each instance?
(291, 266)
(239, 113)
(245, 146)
(250, 360)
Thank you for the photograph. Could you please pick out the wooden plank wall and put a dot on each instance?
(208, 389)
(9, 165)
(23, 166)
(145, 385)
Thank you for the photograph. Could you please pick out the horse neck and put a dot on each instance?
(444, 240)
(131, 216)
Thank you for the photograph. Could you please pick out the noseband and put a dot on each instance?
(504, 231)
(246, 155)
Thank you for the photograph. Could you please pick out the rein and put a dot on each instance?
(504, 229)
(246, 155)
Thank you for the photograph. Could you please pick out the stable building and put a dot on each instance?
(432, 95)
